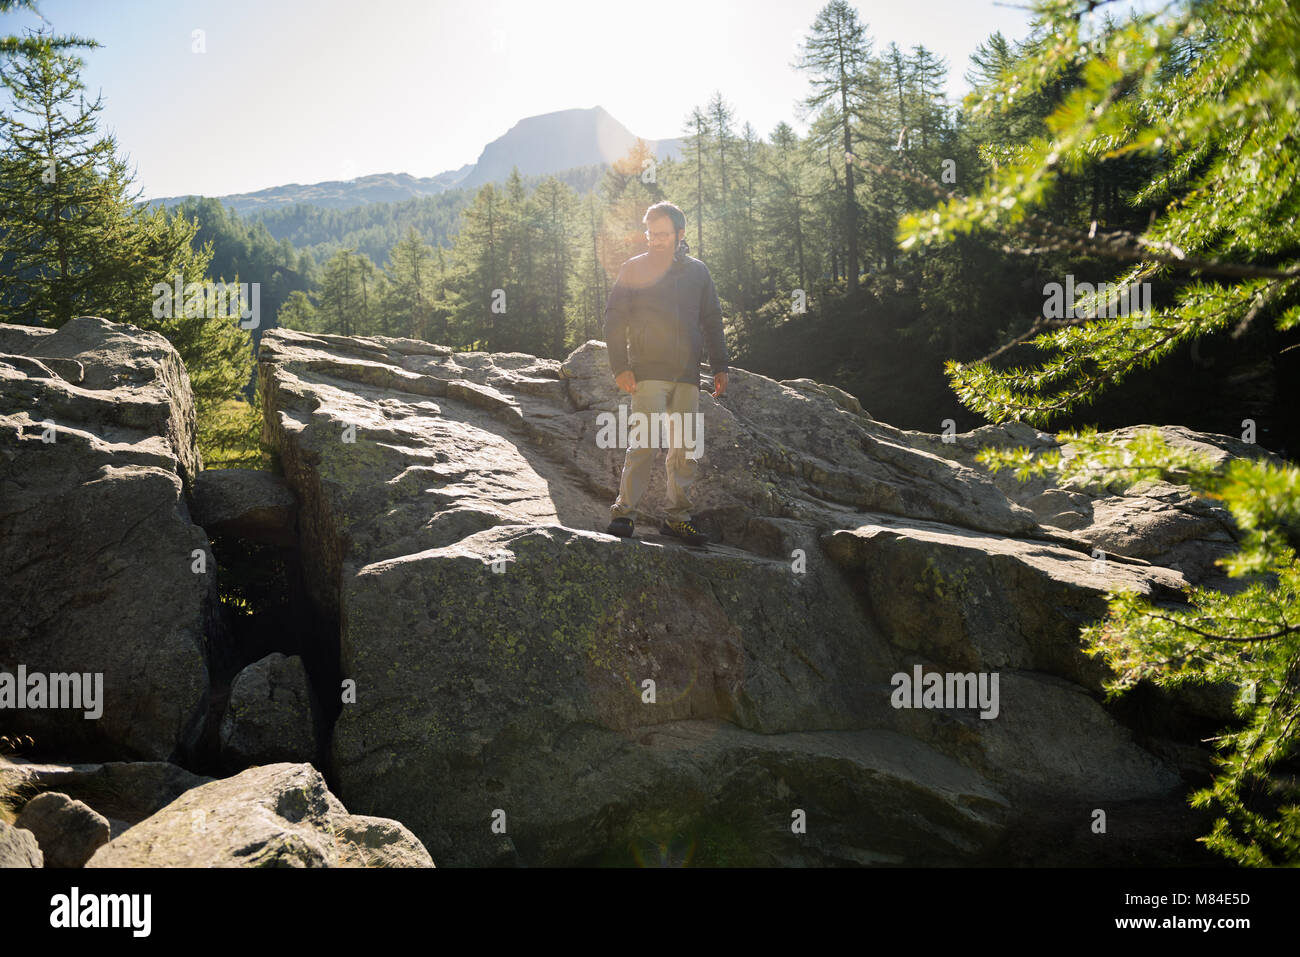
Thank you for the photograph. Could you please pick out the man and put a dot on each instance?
(662, 311)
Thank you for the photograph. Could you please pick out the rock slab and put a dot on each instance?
(276, 815)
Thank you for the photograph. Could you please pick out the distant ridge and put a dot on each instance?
(558, 141)
(538, 145)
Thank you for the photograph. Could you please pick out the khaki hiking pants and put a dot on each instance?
(658, 395)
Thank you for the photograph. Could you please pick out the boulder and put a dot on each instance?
(18, 847)
(68, 831)
(271, 716)
(277, 815)
(97, 548)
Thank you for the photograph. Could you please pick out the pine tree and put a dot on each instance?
(555, 204)
(481, 258)
(72, 242)
(411, 287)
(784, 213)
(445, 301)
(721, 116)
(838, 54)
(348, 298)
(36, 42)
(300, 313)
(896, 72)
(927, 75)
(694, 150)
(1209, 95)
(60, 192)
(745, 229)
(626, 198)
(884, 119)
(520, 281)
(591, 289)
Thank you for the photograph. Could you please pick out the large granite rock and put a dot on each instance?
(271, 716)
(96, 542)
(277, 815)
(521, 688)
(68, 831)
(984, 602)
(499, 646)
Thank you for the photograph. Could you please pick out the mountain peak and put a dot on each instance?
(564, 139)
(540, 145)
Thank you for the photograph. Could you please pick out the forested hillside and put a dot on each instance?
(375, 228)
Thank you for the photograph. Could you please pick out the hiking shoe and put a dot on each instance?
(622, 527)
(685, 531)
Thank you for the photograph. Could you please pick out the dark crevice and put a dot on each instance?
(265, 608)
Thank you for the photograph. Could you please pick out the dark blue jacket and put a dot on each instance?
(658, 326)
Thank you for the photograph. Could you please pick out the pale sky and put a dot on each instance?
(300, 91)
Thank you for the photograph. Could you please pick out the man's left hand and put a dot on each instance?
(719, 384)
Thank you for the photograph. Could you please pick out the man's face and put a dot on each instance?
(661, 237)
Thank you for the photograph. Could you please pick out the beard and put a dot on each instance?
(665, 255)
(661, 258)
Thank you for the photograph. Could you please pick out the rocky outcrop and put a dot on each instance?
(518, 687)
(984, 602)
(68, 831)
(526, 689)
(1161, 523)
(97, 549)
(277, 815)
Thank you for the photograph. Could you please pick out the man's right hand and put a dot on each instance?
(625, 380)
